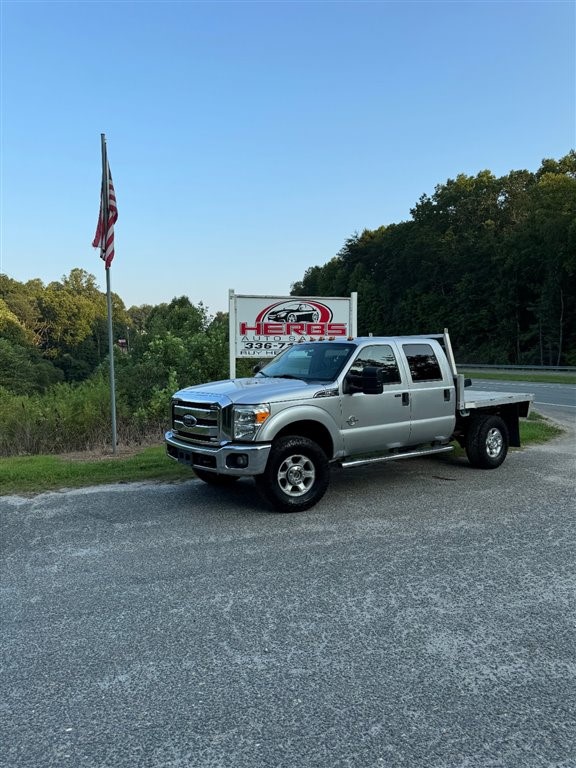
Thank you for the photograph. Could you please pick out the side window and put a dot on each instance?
(422, 362)
(381, 356)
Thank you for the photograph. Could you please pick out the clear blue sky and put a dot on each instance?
(249, 140)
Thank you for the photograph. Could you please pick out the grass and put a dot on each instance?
(36, 474)
(537, 429)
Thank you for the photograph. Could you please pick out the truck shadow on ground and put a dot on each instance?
(239, 497)
(243, 499)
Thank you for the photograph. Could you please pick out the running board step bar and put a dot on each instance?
(396, 456)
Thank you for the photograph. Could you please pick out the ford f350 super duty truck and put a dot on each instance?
(344, 402)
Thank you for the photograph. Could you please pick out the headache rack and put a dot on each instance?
(459, 379)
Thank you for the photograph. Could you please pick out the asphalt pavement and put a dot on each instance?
(420, 616)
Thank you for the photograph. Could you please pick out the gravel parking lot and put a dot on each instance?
(421, 616)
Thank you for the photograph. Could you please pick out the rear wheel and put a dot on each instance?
(214, 479)
(487, 442)
(296, 475)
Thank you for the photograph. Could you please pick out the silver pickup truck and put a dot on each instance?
(339, 402)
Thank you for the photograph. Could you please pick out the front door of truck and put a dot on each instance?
(376, 422)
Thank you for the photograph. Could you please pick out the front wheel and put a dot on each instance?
(214, 479)
(296, 475)
(487, 442)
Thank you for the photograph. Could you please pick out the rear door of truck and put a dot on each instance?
(432, 391)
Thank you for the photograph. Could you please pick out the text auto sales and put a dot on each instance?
(268, 337)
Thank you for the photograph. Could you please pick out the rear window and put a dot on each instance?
(424, 365)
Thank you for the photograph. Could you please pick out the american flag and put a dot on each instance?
(104, 237)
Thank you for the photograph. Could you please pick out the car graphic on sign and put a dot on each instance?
(294, 313)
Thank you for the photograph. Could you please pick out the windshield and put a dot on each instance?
(318, 361)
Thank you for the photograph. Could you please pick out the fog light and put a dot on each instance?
(239, 460)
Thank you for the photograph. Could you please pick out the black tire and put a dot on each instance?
(214, 479)
(487, 442)
(291, 318)
(296, 475)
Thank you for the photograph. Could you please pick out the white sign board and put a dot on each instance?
(262, 326)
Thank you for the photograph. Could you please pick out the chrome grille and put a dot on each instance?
(196, 422)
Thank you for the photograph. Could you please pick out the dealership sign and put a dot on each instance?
(262, 326)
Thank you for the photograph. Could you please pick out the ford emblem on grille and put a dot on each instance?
(189, 421)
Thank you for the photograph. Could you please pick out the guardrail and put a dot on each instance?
(543, 368)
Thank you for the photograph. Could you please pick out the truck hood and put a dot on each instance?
(250, 391)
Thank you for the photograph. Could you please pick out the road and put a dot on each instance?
(556, 401)
(421, 616)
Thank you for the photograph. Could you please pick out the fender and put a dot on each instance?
(290, 416)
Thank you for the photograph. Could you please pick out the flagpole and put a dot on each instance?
(108, 292)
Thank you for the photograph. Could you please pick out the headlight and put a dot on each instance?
(248, 419)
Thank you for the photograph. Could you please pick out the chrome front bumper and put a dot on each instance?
(222, 460)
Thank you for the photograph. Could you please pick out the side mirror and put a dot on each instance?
(258, 367)
(467, 382)
(350, 384)
(372, 380)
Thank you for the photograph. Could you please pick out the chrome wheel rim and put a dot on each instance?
(296, 475)
(494, 443)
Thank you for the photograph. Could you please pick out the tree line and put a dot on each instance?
(54, 365)
(492, 259)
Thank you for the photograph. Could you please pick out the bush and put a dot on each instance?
(67, 418)
(74, 415)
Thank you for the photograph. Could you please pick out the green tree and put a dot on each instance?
(24, 371)
(22, 300)
(10, 326)
(492, 258)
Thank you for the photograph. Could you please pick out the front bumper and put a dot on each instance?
(223, 460)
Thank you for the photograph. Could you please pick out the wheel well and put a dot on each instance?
(509, 413)
(313, 430)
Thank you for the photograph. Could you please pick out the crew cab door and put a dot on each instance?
(432, 393)
(375, 422)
